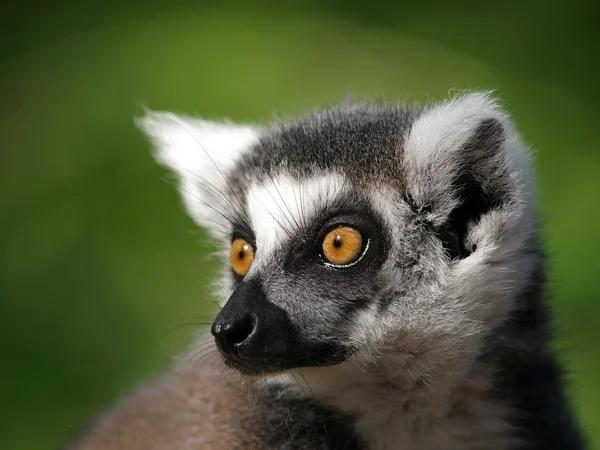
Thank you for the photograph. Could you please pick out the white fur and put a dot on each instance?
(201, 153)
(395, 411)
(417, 360)
(499, 265)
(436, 138)
(279, 207)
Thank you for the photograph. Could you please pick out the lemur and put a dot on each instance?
(385, 288)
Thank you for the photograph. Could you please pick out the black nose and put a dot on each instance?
(232, 333)
(253, 334)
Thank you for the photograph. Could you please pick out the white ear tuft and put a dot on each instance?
(469, 174)
(201, 153)
(468, 133)
(446, 127)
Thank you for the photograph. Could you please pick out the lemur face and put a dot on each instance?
(358, 231)
(302, 273)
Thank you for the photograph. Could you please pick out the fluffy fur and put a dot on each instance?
(437, 338)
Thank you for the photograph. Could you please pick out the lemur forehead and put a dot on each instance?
(362, 142)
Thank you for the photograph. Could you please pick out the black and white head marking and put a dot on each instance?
(437, 315)
(385, 288)
(439, 195)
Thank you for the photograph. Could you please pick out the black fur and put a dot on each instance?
(362, 141)
(474, 199)
(303, 424)
(528, 375)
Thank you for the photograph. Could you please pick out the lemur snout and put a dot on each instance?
(256, 336)
(233, 333)
(249, 329)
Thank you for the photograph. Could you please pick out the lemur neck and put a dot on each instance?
(394, 409)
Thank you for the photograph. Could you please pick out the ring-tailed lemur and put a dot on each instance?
(386, 288)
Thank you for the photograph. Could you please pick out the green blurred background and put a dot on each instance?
(102, 276)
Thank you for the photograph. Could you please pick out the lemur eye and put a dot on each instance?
(241, 256)
(342, 245)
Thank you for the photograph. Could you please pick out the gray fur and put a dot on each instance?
(435, 338)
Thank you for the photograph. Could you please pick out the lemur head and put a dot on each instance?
(360, 231)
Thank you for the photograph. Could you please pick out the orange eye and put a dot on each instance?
(342, 246)
(241, 256)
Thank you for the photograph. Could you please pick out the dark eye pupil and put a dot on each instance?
(241, 254)
(338, 242)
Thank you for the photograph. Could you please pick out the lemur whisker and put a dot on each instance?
(202, 346)
(209, 187)
(293, 221)
(195, 198)
(306, 382)
(202, 354)
(185, 325)
(284, 228)
(176, 120)
(237, 213)
(221, 292)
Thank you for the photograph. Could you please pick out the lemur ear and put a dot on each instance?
(200, 153)
(463, 160)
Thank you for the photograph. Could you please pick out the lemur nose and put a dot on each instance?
(232, 333)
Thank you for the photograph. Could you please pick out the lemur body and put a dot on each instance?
(386, 288)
